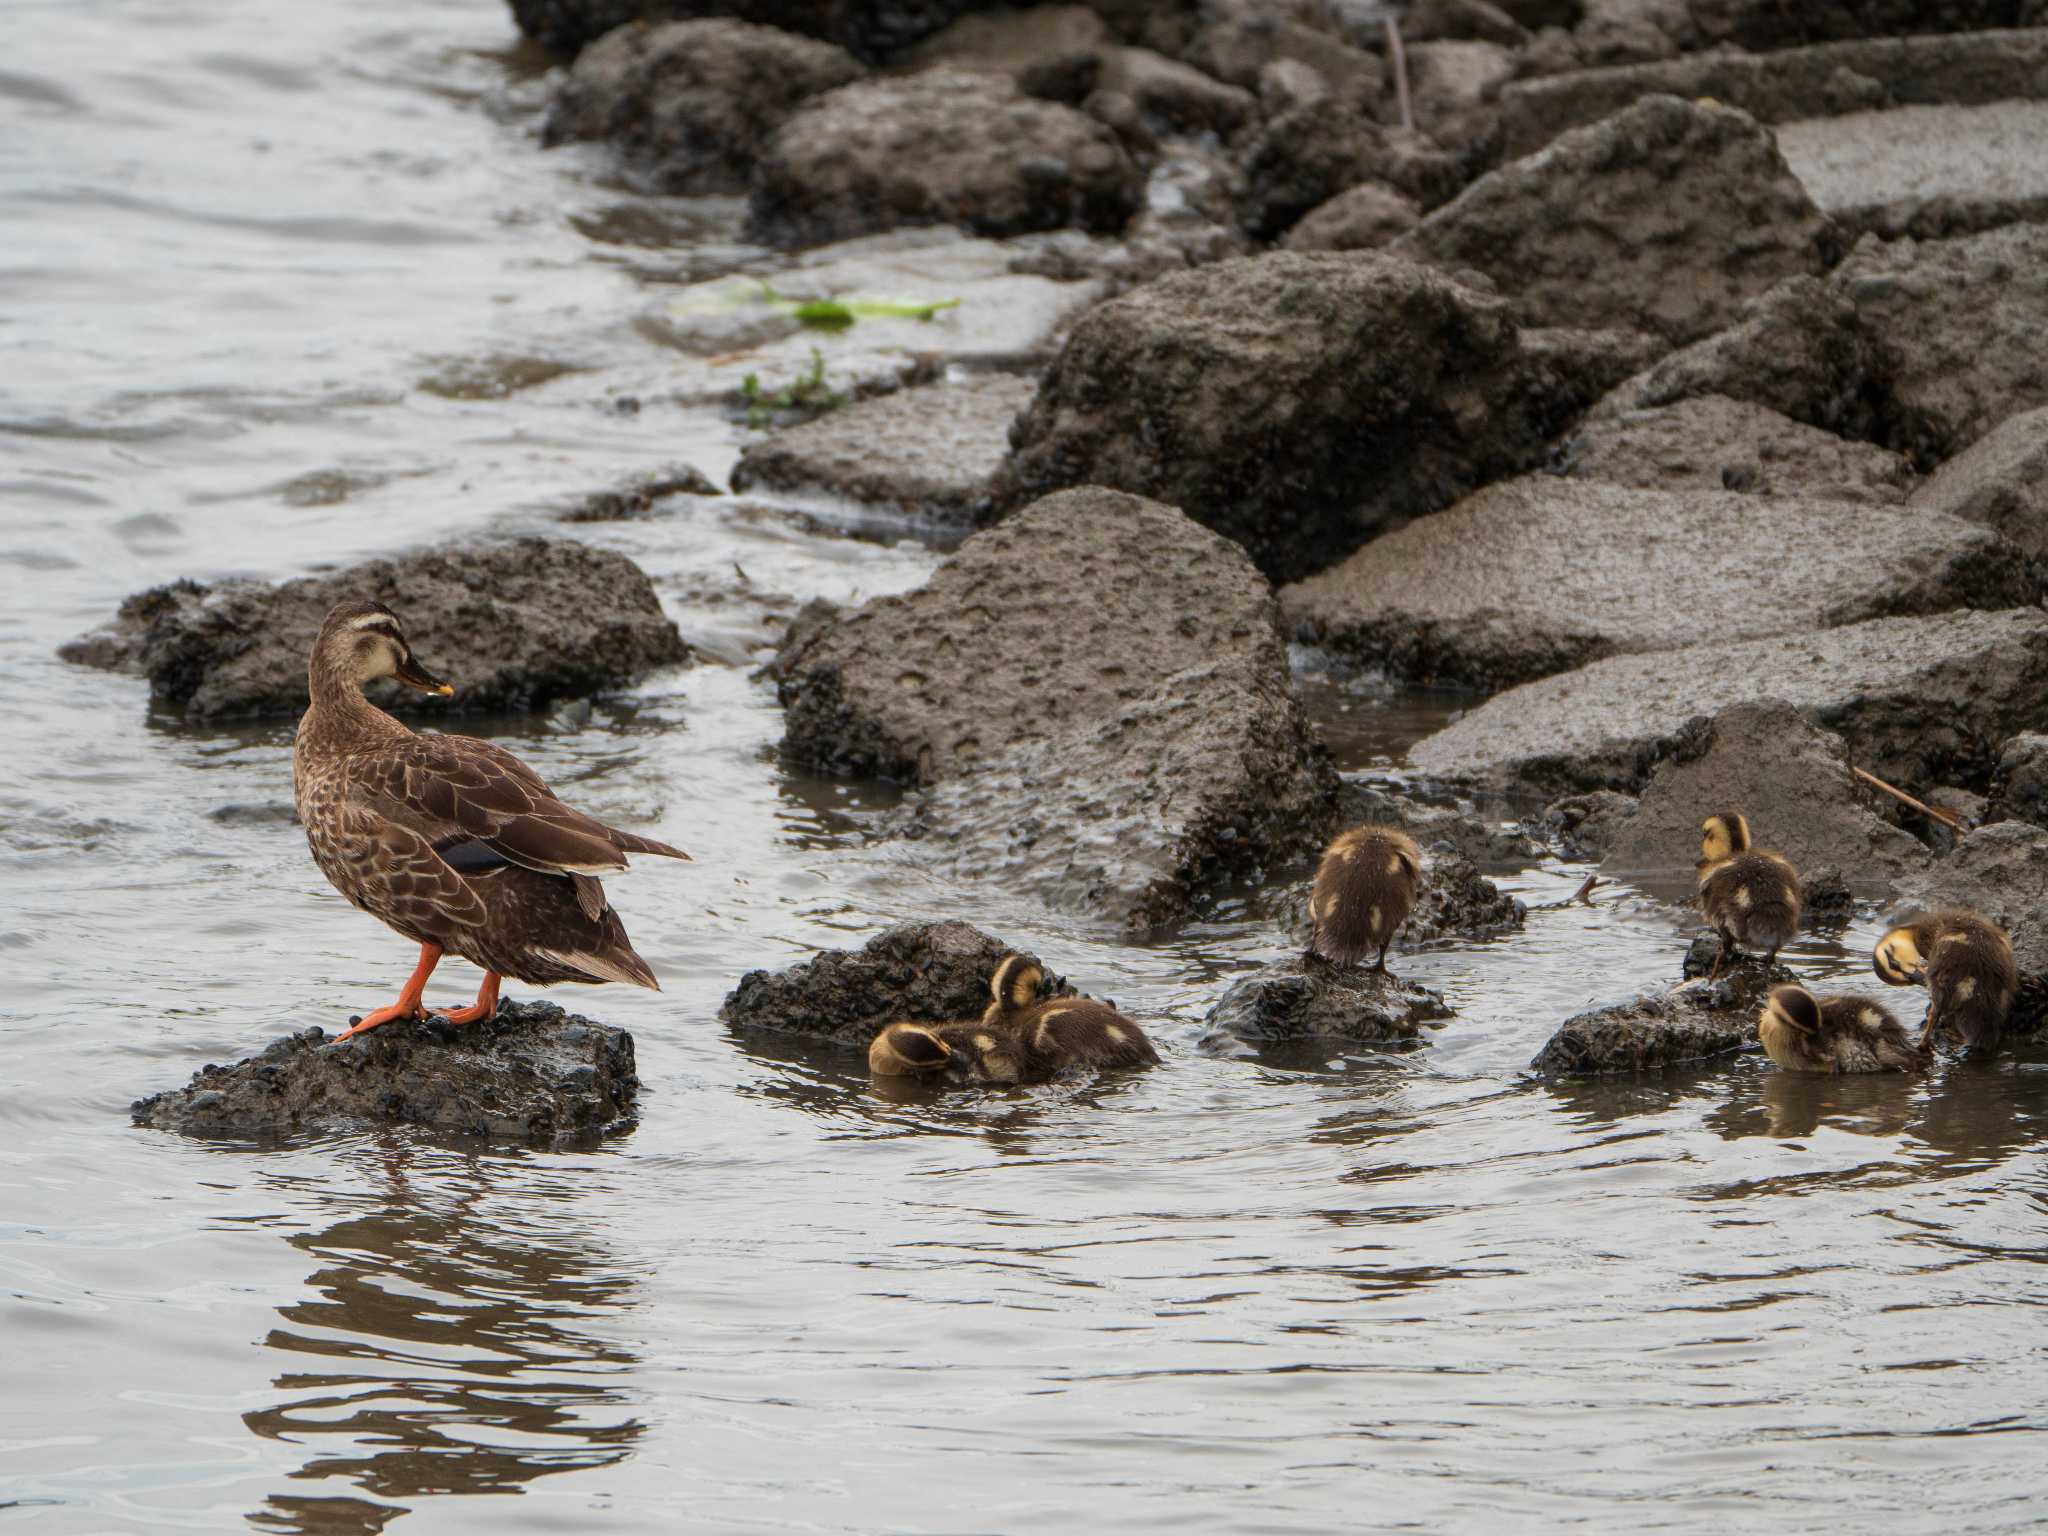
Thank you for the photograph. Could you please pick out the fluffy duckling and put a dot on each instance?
(966, 1053)
(1749, 894)
(1965, 960)
(1804, 1033)
(1365, 888)
(1019, 1039)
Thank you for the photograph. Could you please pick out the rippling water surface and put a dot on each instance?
(288, 285)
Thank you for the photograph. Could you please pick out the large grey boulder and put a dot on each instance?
(1667, 217)
(869, 29)
(1917, 700)
(511, 626)
(690, 102)
(1541, 574)
(1768, 24)
(2002, 871)
(945, 147)
(1927, 171)
(2001, 481)
(1295, 402)
(1788, 776)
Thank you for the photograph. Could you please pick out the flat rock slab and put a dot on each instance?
(1925, 171)
(932, 973)
(533, 1074)
(1687, 1023)
(1917, 700)
(927, 451)
(2002, 871)
(1312, 1001)
(511, 626)
(1542, 574)
(1788, 776)
(2001, 481)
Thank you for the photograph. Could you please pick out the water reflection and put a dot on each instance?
(450, 1348)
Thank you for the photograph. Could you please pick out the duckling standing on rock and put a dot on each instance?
(452, 841)
(1966, 963)
(1365, 888)
(1804, 1033)
(1019, 1039)
(1749, 894)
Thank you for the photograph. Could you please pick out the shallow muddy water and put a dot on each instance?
(288, 286)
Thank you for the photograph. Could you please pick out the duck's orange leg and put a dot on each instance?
(486, 1002)
(408, 1005)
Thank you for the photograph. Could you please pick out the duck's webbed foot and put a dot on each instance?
(485, 1006)
(408, 1005)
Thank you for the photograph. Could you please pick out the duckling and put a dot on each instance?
(1061, 1031)
(1965, 960)
(1804, 1033)
(1364, 890)
(965, 1053)
(1749, 894)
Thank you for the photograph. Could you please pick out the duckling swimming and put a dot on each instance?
(1804, 1033)
(1364, 890)
(1749, 894)
(452, 841)
(1965, 960)
(1019, 1039)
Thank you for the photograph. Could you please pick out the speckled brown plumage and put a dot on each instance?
(1751, 895)
(1365, 888)
(1020, 1039)
(1844, 1033)
(1966, 963)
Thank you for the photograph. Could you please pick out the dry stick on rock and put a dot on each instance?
(1948, 819)
(1583, 896)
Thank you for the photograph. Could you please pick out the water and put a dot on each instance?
(285, 287)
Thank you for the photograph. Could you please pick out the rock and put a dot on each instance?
(935, 973)
(1663, 1029)
(1918, 701)
(1615, 32)
(1767, 24)
(1790, 84)
(1364, 218)
(1176, 98)
(1962, 326)
(1456, 84)
(1585, 826)
(511, 625)
(1970, 808)
(1313, 1001)
(1469, 597)
(533, 1074)
(869, 29)
(638, 498)
(2020, 783)
(1710, 442)
(1455, 904)
(1667, 217)
(2001, 481)
(1789, 777)
(1439, 830)
(689, 102)
(1035, 40)
(946, 147)
(1311, 145)
(1237, 42)
(927, 451)
(2002, 871)
(1433, 20)
(1928, 172)
(1294, 402)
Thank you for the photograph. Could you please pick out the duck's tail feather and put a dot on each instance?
(632, 842)
(617, 964)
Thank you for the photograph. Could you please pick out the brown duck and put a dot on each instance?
(452, 841)
(1019, 1038)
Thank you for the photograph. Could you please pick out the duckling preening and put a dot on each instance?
(1966, 963)
(1364, 890)
(1804, 1033)
(449, 840)
(1018, 1039)
(1751, 895)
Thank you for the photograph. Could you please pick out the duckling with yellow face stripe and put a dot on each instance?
(1804, 1033)
(1019, 1038)
(1965, 961)
(1749, 894)
(1365, 888)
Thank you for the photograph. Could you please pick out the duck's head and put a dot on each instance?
(1722, 836)
(1897, 959)
(1794, 1008)
(908, 1050)
(1016, 982)
(362, 641)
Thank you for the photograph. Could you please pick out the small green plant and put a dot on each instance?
(808, 392)
(838, 314)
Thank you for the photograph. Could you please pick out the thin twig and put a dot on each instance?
(1948, 819)
(1585, 892)
(1400, 58)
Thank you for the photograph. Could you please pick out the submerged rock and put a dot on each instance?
(945, 147)
(1687, 1023)
(690, 102)
(1470, 596)
(533, 1074)
(933, 973)
(1312, 1000)
(1666, 218)
(1710, 442)
(2001, 481)
(1788, 776)
(511, 626)
(1917, 700)
(638, 498)
(2002, 871)
(928, 450)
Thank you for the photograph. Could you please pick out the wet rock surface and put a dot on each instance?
(533, 1074)
(1312, 1001)
(1584, 826)
(933, 973)
(1710, 442)
(868, 28)
(1687, 1023)
(511, 626)
(1295, 402)
(1788, 776)
(2001, 481)
(2002, 871)
(928, 450)
(944, 147)
(1917, 700)
(689, 102)
(1470, 595)
(1667, 218)
(638, 498)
